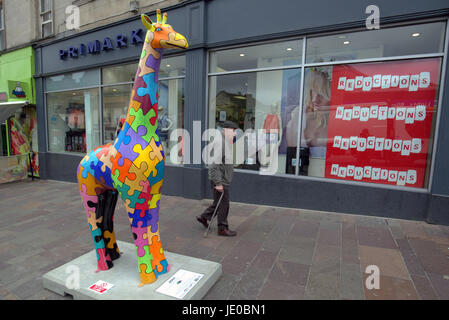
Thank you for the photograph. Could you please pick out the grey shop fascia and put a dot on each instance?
(96, 46)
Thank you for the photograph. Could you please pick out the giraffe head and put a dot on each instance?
(162, 35)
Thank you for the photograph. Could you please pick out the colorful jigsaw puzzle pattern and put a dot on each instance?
(132, 166)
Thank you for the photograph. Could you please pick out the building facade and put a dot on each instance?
(353, 116)
(18, 119)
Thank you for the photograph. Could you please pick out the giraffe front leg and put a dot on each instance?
(139, 221)
(145, 228)
(159, 262)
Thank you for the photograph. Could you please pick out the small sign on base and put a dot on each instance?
(101, 286)
(180, 283)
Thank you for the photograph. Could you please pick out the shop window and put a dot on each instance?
(74, 80)
(73, 120)
(258, 87)
(262, 104)
(172, 67)
(115, 107)
(170, 114)
(384, 42)
(254, 57)
(46, 17)
(123, 73)
(371, 122)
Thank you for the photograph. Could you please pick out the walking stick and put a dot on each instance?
(213, 216)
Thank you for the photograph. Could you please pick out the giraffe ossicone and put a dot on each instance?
(132, 166)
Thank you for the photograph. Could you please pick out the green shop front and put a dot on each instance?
(18, 139)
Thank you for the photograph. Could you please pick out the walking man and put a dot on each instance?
(220, 176)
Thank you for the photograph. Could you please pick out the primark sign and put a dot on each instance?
(97, 46)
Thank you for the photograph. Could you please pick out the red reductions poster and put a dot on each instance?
(380, 121)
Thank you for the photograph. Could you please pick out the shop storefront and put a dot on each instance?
(351, 119)
(18, 118)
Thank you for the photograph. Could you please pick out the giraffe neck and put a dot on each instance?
(143, 106)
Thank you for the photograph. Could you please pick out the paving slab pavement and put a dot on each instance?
(278, 253)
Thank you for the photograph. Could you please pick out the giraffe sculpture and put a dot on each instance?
(132, 166)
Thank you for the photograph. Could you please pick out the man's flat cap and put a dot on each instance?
(230, 125)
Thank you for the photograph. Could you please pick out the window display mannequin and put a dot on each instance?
(252, 159)
(291, 133)
(269, 153)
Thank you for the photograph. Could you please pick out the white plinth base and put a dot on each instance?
(124, 276)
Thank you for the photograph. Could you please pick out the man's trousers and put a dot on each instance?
(223, 208)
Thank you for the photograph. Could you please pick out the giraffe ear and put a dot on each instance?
(146, 21)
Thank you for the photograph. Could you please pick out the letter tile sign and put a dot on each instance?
(380, 121)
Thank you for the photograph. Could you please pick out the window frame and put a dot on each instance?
(2, 27)
(43, 22)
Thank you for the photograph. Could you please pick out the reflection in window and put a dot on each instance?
(409, 40)
(253, 57)
(73, 121)
(119, 74)
(172, 67)
(115, 107)
(74, 80)
(170, 113)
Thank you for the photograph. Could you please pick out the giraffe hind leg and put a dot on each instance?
(91, 191)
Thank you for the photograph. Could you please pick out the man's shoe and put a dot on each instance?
(203, 221)
(226, 233)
